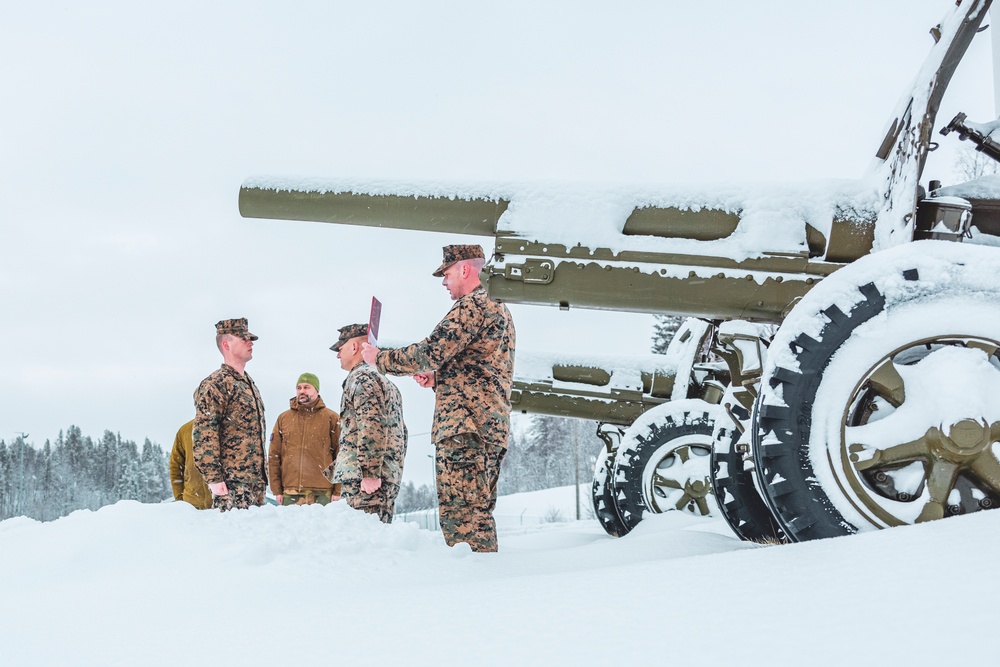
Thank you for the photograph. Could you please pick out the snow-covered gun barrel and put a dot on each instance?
(586, 389)
(707, 254)
(284, 200)
(717, 253)
(617, 390)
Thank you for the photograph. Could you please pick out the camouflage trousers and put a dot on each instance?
(382, 502)
(306, 497)
(467, 471)
(240, 496)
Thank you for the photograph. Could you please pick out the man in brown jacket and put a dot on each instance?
(303, 444)
(469, 362)
(187, 482)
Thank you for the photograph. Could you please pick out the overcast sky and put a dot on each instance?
(127, 128)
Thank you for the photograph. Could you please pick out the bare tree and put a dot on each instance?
(971, 164)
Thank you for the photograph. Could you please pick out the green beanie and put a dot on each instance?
(308, 378)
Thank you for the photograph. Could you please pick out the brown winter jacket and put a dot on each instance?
(187, 482)
(303, 443)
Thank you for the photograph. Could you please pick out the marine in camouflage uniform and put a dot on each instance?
(372, 432)
(471, 352)
(229, 423)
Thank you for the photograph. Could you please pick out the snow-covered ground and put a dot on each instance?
(165, 584)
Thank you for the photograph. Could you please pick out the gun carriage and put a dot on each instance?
(841, 367)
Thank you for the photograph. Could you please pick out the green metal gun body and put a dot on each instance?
(532, 271)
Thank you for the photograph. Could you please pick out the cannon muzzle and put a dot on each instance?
(454, 215)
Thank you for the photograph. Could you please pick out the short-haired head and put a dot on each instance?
(347, 333)
(458, 253)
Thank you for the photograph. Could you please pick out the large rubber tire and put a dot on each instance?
(663, 462)
(878, 405)
(603, 496)
(739, 502)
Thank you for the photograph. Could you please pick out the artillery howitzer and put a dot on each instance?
(858, 324)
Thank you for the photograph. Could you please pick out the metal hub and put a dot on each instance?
(965, 439)
(683, 469)
(965, 449)
(951, 468)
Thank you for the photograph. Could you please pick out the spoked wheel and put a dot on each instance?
(740, 503)
(885, 412)
(603, 496)
(663, 462)
(952, 468)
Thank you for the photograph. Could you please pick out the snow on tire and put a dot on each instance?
(878, 403)
(603, 496)
(663, 462)
(739, 502)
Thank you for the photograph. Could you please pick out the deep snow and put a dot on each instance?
(165, 584)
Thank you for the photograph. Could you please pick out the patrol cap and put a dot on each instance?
(349, 332)
(456, 253)
(236, 327)
(308, 378)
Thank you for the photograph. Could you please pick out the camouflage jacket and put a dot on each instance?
(372, 432)
(303, 443)
(229, 429)
(187, 482)
(472, 353)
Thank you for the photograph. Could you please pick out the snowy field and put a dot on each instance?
(165, 584)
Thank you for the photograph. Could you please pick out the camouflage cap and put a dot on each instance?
(456, 253)
(236, 327)
(349, 332)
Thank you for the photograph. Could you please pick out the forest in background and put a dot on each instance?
(79, 472)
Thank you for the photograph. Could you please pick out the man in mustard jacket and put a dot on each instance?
(187, 482)
(303, 443)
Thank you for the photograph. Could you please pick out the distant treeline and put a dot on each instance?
(412, 498)
(553, 451)
(78, 472)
